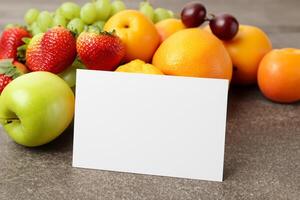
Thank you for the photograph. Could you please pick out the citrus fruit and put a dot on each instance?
(246, 50)
(139, 66)
(279, 75)
(137, 32)
(167, 27)
(193, 52)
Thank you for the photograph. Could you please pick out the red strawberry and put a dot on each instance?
(10, 70)
(10, 40)
(53, 51)
(102, 51)
(4, 81)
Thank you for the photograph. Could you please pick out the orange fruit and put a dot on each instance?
(168, 27)
(137, 32)
(139, 66)
(279, 75)
(246, 50)
(193, 52)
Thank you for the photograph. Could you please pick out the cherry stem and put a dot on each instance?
(210, 17)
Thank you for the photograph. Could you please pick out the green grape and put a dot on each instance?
(70, 10)
(93, 29)
(147, 10)
(117, 6)
(96, 27)
(88, 13)
(58, 11)
(99, 24)
(44, 21)
(76, 25)
(161, 14)
(103, 8)
(35, 29)
(31, 15)
(171, 13)
(59, 20)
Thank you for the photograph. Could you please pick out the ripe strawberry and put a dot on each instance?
(10, 70)
(53, 51)
(102, 51)
(10, 40)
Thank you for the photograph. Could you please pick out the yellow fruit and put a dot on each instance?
(137, 32)
(139, 66)
(168, 27)
(193, 52)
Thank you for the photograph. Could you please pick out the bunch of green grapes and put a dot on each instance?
(155, 15)
(72, 16)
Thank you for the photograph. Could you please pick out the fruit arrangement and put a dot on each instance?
(38, 61)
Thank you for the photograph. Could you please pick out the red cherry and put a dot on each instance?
(193, 14)
(224, 26)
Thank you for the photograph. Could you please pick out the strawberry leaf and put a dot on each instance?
(4, 67)
(10, 72)
(78, 63)
(21, 51)
(74, 33)
(2, 71)
(7, 68)
(16, 75)
(6, 63)
(26, 40)
(109, 33)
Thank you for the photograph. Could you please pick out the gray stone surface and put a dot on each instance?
(262, 156)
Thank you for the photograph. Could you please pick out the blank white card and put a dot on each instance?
(150, 124)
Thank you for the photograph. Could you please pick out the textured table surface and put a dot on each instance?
(262, 156)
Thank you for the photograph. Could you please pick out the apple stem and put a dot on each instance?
(8, 120)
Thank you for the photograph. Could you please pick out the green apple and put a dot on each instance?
(36, 108)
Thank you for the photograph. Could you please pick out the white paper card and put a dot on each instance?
(150, 124)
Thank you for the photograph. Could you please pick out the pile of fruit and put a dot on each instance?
(38, 61)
